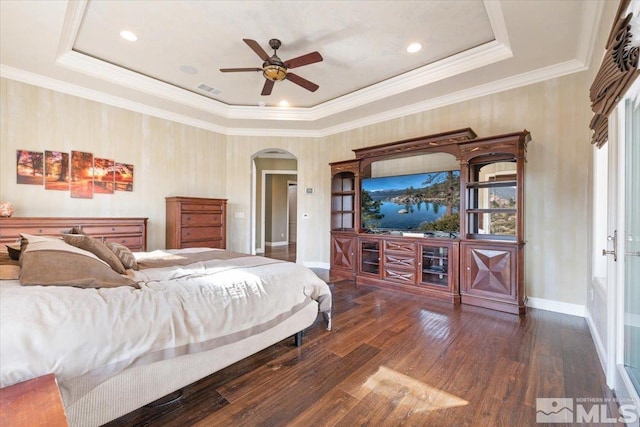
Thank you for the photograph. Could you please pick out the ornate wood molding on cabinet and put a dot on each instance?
(483, 265)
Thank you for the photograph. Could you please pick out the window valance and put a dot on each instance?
(617, 72)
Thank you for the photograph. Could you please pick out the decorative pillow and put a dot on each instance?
(14, 251)
(97, 248)
(48, 261)
(124, 254)
(74, 230)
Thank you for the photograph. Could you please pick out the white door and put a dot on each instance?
(631, 244)
(623, 256)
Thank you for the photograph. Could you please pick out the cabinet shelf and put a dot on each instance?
(439, 272)
(492, 184)
(343, 200)
(492, 210)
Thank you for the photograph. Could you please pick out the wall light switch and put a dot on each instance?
(239, 215)
(309, 190)
(305, 216)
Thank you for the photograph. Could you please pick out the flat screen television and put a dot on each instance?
(423, 202)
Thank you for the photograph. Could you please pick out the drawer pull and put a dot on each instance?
(113, 229)
(40, 231)
(122, 241)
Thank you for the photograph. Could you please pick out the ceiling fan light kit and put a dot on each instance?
(275, 70)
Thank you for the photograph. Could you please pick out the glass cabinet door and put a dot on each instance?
(435, 266)
(370, 257)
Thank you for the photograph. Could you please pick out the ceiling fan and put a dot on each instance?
(274, 69)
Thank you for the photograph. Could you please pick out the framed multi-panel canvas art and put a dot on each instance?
(80, 173)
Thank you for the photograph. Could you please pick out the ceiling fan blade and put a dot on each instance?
(257, 49)
(312, 87)
(268, 86)
(235, 70)
(309, 58)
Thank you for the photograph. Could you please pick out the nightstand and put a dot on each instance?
(32, 403)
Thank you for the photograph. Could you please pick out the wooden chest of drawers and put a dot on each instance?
(196, 222)
(130, 232)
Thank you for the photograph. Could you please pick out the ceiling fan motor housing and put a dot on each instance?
(274, 69)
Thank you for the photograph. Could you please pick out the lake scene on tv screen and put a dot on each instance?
(417, 202)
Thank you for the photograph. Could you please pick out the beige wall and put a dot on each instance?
(174, 159)
(170, 159)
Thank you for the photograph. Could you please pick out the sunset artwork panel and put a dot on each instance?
(29, 167)
(81, 175)
(103, 176)
(124, 177)
(56, 170)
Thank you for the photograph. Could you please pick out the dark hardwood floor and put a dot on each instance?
(285, 253)
(394, 359)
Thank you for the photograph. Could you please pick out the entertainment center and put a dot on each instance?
(452, 228)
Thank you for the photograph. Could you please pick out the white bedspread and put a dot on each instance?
(76, 332)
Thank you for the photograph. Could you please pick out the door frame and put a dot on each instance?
(616, 374)
(263, 178)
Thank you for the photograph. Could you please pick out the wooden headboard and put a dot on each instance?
(130, 232)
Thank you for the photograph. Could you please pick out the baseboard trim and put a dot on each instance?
(595, 336)
(323, 265)
(281, 243)
(556, 306)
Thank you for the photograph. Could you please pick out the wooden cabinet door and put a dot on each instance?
(343, 253)
(489, 271)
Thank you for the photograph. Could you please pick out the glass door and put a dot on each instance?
(632, 244)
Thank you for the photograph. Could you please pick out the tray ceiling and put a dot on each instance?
(469, 48)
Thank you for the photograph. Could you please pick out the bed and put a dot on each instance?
(118, 341)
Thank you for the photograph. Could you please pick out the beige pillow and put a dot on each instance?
(97, 248)
(48, 261)
(124, 254)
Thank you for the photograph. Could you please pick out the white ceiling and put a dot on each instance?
(470, 48)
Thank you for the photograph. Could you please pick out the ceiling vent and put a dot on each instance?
(210, 90)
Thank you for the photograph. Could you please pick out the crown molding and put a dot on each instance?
(480, 56)
(589, 28)
(103, 98)
(524, 79)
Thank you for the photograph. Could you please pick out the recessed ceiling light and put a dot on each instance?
(283, 103)
(188, 69)
(128, 35)
(414, 47)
